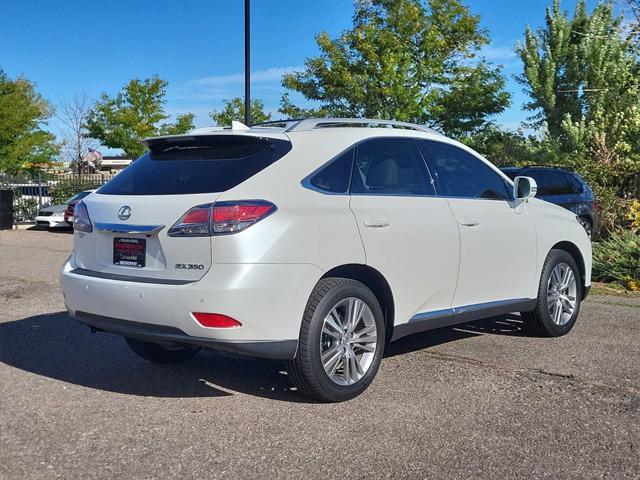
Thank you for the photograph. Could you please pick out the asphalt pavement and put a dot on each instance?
(478, 401)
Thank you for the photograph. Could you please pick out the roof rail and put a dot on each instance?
(285, 123)
(304, 124)
(314, 123)
(533, 165)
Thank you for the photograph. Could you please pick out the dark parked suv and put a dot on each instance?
(565, 188)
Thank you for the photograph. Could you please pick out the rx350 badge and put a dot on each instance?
(189, 266)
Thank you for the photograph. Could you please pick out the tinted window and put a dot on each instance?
(77, 196)
(391, 166)
(550, 181)
(202, 164)
(574, 184)
(335, 176)
(511, 173)
(460, 174)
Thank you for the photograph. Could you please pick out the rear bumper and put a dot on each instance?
(278, 350)
(267, 299)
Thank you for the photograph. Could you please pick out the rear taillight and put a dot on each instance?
(81, 220)
(194, 223)
(221, 218)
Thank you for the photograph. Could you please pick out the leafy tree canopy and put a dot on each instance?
(583, 78)
(23, 143)
(133, 114)
(234, 110)
(407, 60)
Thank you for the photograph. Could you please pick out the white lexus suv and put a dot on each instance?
(317, 241)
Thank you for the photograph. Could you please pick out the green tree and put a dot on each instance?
(136, 112)
(234, 110)
(507, 148)
(24, 145)
(583, 78)
(407, 60)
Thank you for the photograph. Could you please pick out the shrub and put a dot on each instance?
(633, 215)
(617, 259)
(68, 188)
(24, 209)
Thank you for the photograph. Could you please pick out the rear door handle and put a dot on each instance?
(376, 222)
(468, 222)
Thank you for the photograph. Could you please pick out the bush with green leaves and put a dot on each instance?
(24, 209)
(66, 189)
(617, 259)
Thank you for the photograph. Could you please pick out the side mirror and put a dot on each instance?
(524, 188)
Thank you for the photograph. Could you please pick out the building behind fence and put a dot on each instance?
(31, 193)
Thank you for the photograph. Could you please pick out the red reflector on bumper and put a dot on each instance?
(215, 320)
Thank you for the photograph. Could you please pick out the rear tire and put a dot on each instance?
(157, 353)
(338, 353)
(559, 297)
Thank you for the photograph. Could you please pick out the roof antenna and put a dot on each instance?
(238, 126)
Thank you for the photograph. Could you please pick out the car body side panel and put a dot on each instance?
(498, 251)
(555, 224)
(417, 252)
(308, 227)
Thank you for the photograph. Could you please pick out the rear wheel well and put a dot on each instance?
(574, 251)
(376, 282)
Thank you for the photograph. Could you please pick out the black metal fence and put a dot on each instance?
(33, 192)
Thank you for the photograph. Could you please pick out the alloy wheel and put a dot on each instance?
(348, 341)
(561, 294)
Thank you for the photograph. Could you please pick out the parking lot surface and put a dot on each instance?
(477, 401)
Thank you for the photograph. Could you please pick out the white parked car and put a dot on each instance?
(317, 241)
(53, 216)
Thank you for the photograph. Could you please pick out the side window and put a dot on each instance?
(391, 166)
(334, 177)
(460, 174)
(574, 184)
(550, 182)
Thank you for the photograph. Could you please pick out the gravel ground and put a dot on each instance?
(477, 401)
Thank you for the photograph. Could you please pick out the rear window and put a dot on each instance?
(77, 196)
(202, 164)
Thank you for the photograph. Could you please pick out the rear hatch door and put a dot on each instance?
(132, 214)
(140, 246)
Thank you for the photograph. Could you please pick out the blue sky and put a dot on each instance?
(197, 45)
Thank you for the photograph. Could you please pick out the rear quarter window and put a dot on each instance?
(200, 164)
(335, 176)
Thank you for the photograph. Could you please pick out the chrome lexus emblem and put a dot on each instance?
(124, 213)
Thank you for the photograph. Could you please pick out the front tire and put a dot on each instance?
(559, 297)
(162, 353)
(341, 342)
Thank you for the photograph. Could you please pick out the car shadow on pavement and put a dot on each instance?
(501, 325)
(57, 347)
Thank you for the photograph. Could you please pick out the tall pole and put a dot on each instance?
(247, 62)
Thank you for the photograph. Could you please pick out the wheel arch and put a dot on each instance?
(574, 251)
(376, 282)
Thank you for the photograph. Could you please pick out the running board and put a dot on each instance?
(423, 322)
